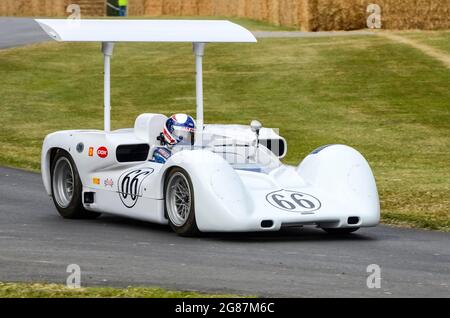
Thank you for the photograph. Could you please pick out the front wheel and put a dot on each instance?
(179, 203)
(341, 231)
(67, 189)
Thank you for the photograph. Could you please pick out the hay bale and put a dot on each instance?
(273, 12)
(288, 12)
(228, 8)
(235, 8)
(219, 7)
(303, 15)
(13, 7)
(24, 8)
(43, 8)
(189, 8)
(252, 9)
(171, 7)
(339, 14)
(240, 8)
(48, 8)
(136, 7)
(261, 10)
(205, 7)
(153, 7)
(396, 14)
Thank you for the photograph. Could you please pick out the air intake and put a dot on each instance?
(266, 224)
(353, 220)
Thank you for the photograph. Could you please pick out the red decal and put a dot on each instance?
(168, 136)
(102, 152)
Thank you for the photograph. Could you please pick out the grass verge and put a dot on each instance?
(40, 290)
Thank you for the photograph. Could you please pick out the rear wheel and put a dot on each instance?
(179, 203)
(67, 189)
(341, 231)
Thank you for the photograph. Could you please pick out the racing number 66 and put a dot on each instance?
(297, 198)
(293, 201)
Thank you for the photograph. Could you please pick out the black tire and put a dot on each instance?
(341, 231)
(189, 227)
(74, 209)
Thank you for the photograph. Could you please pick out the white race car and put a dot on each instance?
(230, 180)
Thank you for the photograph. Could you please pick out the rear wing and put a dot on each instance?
(201, 31)
(108, 32)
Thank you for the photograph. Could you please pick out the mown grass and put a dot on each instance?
(42, 290)
(388, 100)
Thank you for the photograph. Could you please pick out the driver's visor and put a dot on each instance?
(184, 135)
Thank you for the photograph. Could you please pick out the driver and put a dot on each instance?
(179, 129)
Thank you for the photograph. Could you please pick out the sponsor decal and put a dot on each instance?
(129, 185)
(294, 201)
(102, 152)
(108, 182)
(164, 152)
(91, 151)
(96, 181)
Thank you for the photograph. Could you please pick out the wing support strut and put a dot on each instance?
(199, 51)
(107, 50)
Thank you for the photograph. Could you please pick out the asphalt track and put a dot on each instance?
(38, 245)
(20, 31)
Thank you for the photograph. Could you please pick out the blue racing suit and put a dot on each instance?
(161, 154)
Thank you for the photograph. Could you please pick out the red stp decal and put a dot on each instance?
(102, 152)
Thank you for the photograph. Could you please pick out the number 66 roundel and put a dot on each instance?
(293, 201)
(129, 185)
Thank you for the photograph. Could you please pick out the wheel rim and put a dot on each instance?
(63, 180)
(179, 199)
